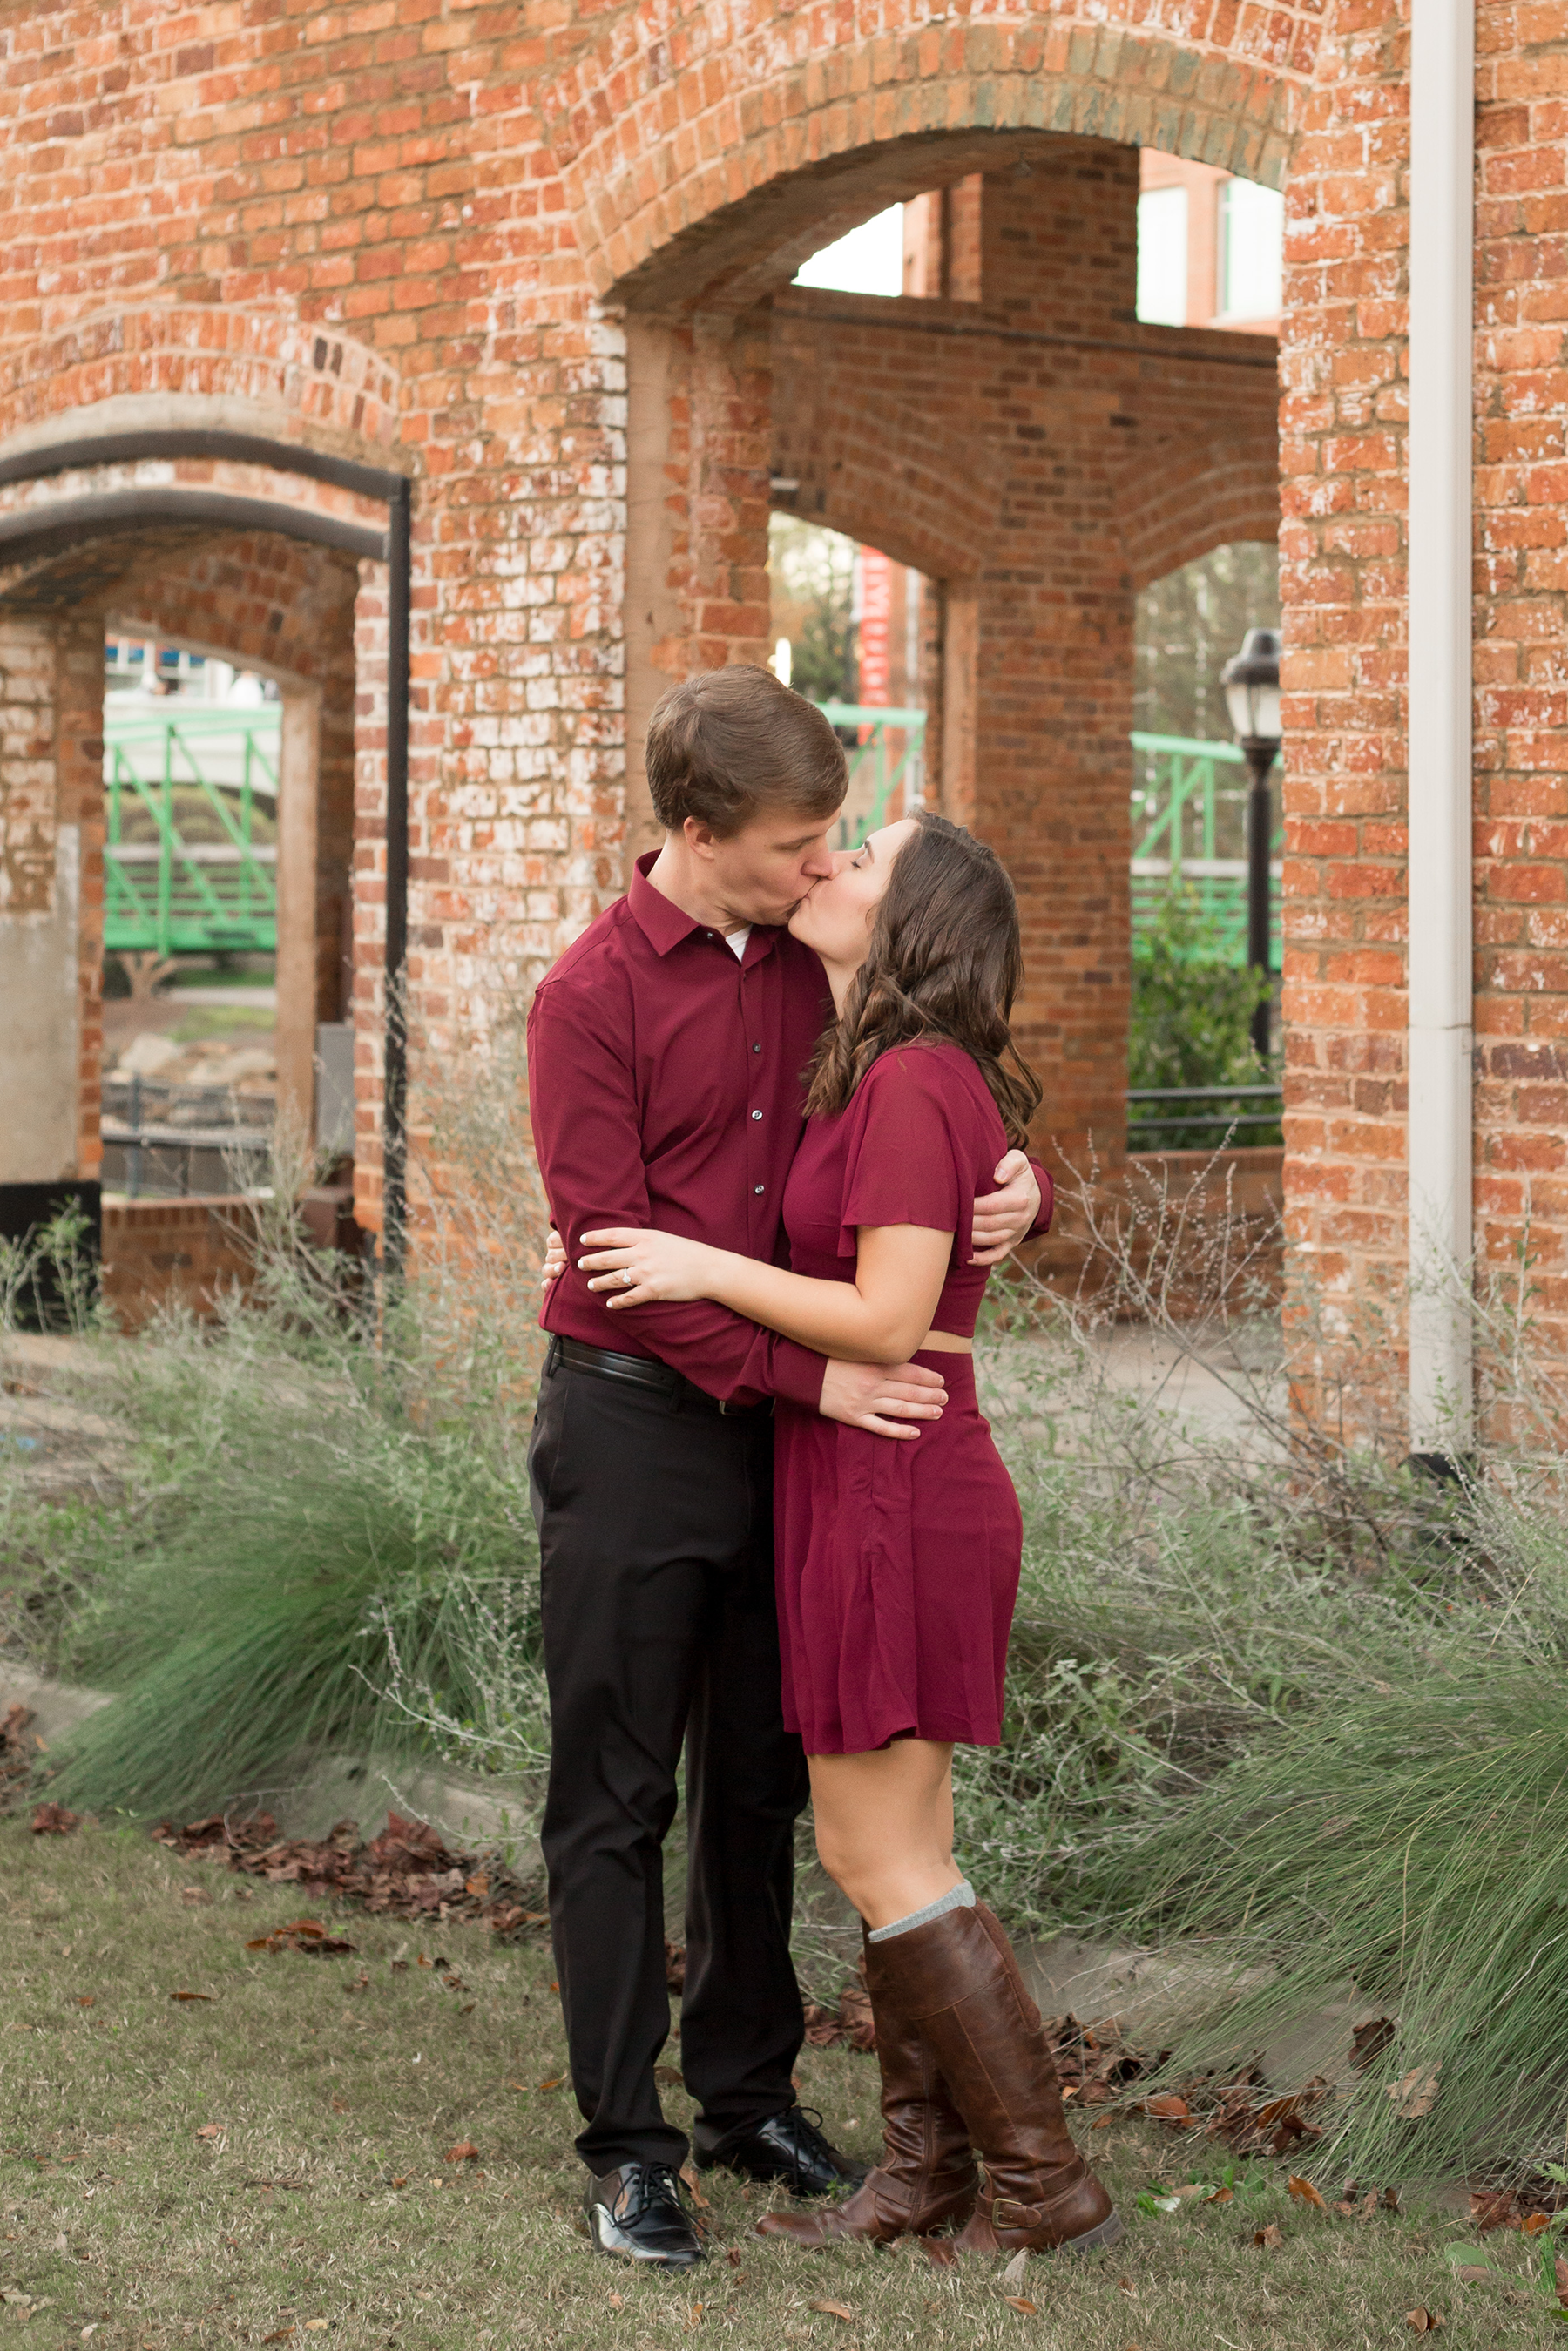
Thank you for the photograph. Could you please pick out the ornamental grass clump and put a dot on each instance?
(1406, 1853)
(308, 1525)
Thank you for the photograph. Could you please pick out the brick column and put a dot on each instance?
(299, 795)
(1053, 621)
(51, 896)
(699, 456)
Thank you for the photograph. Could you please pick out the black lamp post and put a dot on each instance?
(1251, 683)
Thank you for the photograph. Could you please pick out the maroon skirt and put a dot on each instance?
(898, 1573)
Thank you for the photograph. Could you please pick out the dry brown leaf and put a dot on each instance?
(463, 2152)
(1304, 2193)
(278, 2334)
(669, 2077)
(616, 2302)
(693, 2186)
(1497, 2209)
(835, 2310)
(1423, 2322)
(1013, 2273)
(1270, 2237)
(339, 2105)
(87, 2000)
(1370, 2039)
(1105, 2123)
(1479, 2273)
(192, 1995)
(1192, 2187)
(211, 2130)
(1416, 2094)
(1535, 2222)
(1561, 2274)
(1021, 2301)
(54, 1819)
(1169, 2107)
(554, 2083)
(1221, 2196)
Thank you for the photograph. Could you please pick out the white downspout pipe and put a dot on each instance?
(1440, 464)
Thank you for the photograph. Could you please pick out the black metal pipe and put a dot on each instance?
(239, 448)
(394, 1080)
(1260, 758)
(110, 514)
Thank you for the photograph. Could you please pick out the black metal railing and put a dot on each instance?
(1200, 1118)
(169, 1140)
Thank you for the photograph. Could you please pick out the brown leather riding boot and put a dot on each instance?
(926, 2177)
(960, 1982)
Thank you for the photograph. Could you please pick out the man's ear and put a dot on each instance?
(699, 838)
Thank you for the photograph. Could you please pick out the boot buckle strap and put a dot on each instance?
(1006, 2213)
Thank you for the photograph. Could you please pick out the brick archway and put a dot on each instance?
(170, 364)
(702, 170)
(1193, 501)
(256, 547)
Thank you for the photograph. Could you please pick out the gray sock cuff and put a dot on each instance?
(957, 1897)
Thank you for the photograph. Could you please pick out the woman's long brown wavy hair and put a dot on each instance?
(945, 964)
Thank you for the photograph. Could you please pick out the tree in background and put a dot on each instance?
(1192, 1003)
(812, 575)
(1187, 626)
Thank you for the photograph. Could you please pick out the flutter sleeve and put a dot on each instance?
(910, 1153)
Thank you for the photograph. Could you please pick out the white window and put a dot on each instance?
(870, 260)
(1162, 256)
(1251, 250)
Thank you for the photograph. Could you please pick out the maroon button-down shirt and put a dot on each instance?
(666, 1089)
(664, 1083)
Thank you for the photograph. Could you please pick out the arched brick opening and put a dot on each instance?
(314, 616)
(1193, 501)
(702, 159)
(1034, 451)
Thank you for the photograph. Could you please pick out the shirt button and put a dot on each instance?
(756, 1113)
(760, 1187)
(757, 1049)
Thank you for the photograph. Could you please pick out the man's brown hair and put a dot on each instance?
(731, 744)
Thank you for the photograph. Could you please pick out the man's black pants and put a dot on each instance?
(655, 1533)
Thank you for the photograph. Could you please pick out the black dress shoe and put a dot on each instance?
(788, 2147)
(636, 2214)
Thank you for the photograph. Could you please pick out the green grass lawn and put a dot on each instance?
(270, 2163)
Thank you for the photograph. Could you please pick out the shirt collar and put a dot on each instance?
(664, 925)
(660, 920)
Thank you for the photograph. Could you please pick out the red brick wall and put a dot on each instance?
(1522, 632)
(414, 233)
(163, 1253)
(1038, 445)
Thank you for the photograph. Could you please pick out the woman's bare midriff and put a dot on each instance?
(944, 1342)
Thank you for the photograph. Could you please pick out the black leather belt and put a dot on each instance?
(643, 1371)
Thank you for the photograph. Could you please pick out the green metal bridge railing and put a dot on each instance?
(167, 763)
(1188, 813)
(1189, 801)
(176, 896)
